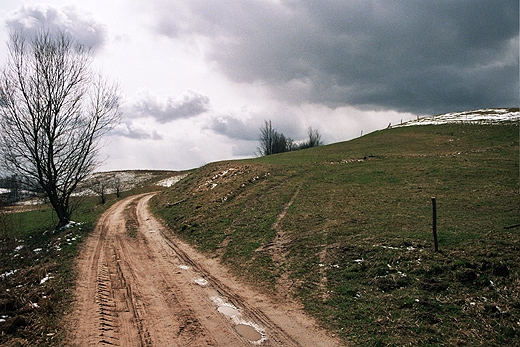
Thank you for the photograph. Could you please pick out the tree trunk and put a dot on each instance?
(60, 209)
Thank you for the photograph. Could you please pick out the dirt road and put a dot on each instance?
(139, 286)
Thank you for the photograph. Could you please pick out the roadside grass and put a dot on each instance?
(36, 272)
(354, 240)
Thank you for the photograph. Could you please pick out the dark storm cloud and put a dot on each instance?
(80, 26)
(415, 56)
(169, 108)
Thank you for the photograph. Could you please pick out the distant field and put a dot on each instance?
(346, 230)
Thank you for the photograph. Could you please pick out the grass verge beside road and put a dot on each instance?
(36, 272)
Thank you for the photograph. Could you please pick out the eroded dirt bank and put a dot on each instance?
(139, 286)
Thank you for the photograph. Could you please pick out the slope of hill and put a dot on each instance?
(345, 229)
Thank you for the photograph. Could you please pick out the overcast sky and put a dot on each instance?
(200, 77)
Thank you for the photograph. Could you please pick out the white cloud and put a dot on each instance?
(78, 24)
(131, 130)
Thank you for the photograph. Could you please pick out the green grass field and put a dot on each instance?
(346, 229)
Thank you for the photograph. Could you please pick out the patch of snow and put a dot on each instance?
(168, 182)
(37, 250)
(69, 225)
(220, 302)
(126, 180)
(482, 116)
(8, 273)
(184, 267)
(45, 279)
(201, 282)
(85, 192)
(31, 202)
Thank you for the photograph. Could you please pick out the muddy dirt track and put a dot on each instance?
(140, 286)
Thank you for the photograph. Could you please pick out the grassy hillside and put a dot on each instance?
(346, 229)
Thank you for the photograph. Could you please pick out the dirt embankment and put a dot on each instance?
(139, 286)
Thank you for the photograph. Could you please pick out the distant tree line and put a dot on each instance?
(272, 141)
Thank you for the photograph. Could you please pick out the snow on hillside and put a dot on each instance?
(482, 116)
(168, 182)
(124, 180)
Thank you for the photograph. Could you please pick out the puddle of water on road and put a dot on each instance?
(228, 311)
(248, 332)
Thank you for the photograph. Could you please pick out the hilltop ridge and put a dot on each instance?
(480, 116)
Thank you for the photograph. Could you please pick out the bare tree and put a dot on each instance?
(266, 139)
(117, 184)
(314, 138)
(272, 142)
(53, 112)
(100, 188)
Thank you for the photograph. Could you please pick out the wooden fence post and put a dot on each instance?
(434, 224)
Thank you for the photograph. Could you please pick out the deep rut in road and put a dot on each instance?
(140, 286)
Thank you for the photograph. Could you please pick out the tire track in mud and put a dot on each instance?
(147, 288)
(223, 296)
